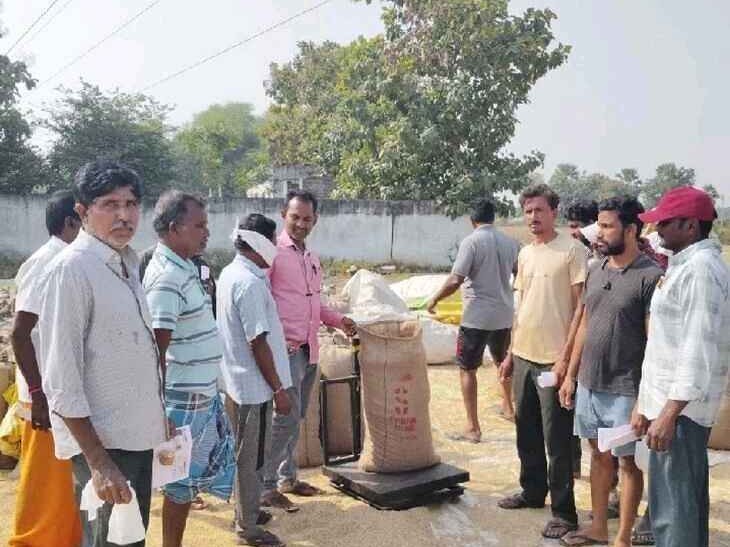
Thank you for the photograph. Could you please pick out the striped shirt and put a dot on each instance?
(179, 303)
(688, 346)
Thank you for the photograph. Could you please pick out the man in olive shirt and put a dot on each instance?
(606, 361)
(550, 275)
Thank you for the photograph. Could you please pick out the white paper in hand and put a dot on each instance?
(641, 456)
(180, 446)
(204, 272)
(125, 522)
(613, 437)
(90, 501)
(547, 379)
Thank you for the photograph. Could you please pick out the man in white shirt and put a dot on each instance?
(101, 368)
(685, 367)
(41, 518)
(255, 366)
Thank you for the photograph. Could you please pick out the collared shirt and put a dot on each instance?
(98, 349)
(617, 302)
(296, 283)
(487, 258)
(546, 273)
(179, 303)
(688, 345)
(247, 310)
(28, 296)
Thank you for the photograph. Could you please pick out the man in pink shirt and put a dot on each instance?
(296, 282)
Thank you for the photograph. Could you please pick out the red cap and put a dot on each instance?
(682, 202)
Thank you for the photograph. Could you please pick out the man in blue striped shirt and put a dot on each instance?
(187, 336)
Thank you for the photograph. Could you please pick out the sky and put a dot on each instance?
(643, 85)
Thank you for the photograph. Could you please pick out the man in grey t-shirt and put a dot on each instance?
(483, 268)
(607, 358)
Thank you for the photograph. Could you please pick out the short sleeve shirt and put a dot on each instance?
(246, 310)
(546, 273)
(29, 284)
(179, 303)
(487, 258)
(617, 303)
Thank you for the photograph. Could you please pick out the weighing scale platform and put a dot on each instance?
(398, 491)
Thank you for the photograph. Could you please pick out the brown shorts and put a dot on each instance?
(471, 343)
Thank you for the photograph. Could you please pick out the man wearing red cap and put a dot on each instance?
(685, 367)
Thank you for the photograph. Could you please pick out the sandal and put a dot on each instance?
(263, 518)
(642, 538)
(464, 437)
(279, 501)
(518, 501)
(578, 539)
(556, 528)
(265, 539)
(198, 504)
(300, 488)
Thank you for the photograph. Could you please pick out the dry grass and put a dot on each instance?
(335, 520)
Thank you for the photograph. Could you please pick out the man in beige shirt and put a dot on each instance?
(550, 275)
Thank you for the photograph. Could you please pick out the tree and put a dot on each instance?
(223, 140)
(131, 128)
(423, 111)
(714, 194)
(667, 176)
(22, 169)
(568, 182)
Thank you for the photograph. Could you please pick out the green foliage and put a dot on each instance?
(224, 144)
(710, 189)
(667, 176)
(572, 185)
(22, 170)
(421, 112)
(88, 123)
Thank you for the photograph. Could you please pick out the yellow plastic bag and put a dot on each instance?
(11, 428)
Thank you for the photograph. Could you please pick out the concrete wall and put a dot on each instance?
(376, 231)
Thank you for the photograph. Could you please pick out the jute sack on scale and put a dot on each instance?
(396, 396)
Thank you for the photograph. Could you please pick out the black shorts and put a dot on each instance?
(471, 343)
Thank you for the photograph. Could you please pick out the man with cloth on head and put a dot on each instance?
(296, 283)
(255, 367)
(685, 367)
(191, 351)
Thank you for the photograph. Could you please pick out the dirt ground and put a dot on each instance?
(335, 520)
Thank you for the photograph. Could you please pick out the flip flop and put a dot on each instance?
(461, 437)
(266, 539)
(642, 538)
(556, 528)
(198, 504)
(574, 539)
(518, 501)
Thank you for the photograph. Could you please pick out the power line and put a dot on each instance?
(34, 23)
(98, 44)
(48, 22)
(233, 46)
